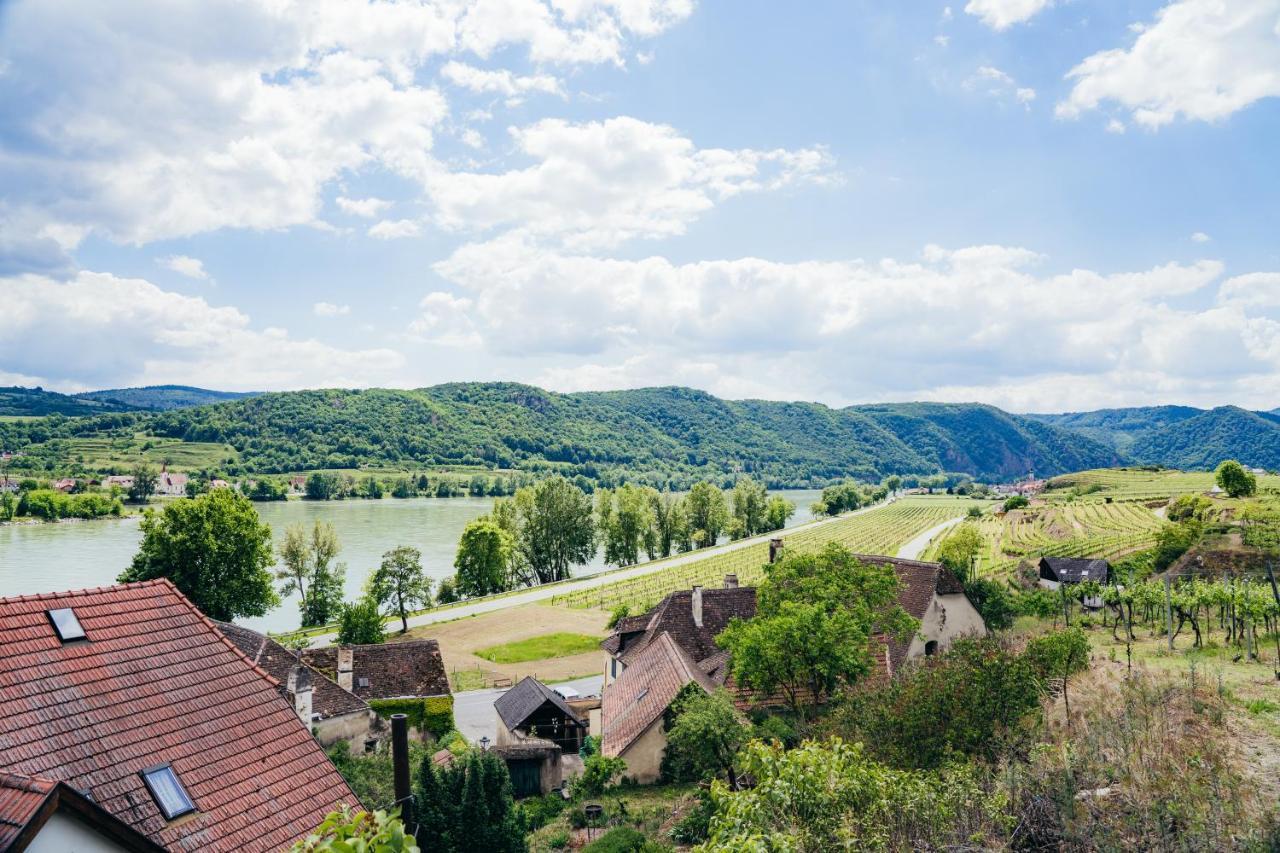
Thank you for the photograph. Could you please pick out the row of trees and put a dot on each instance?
(544, 530)
(324, 486)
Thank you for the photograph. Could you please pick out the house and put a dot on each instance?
(332, 713)
(170, 483)
(297, 484)
(124, 481)
(43, 816)
(219, 484)
(650, 658)
(66, 484)
(412, 669)
(533, 710)
(1056, 571)
(135, 699)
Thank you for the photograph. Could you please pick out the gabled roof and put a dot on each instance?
(388, 670)
(517, 704)
(27, 803)
(1074, 569)
(674, 615)
(327, 698)
(154, 683)
(645, 690)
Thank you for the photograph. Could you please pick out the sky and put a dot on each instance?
(1047, 205)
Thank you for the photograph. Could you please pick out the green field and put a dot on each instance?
(1076, 529)
(95, 454)
(557, 645)
(1139, 485)
(881, 531)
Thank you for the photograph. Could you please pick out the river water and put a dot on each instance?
(75, 555)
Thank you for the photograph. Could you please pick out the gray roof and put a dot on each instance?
(517, 704)
(1075, 569)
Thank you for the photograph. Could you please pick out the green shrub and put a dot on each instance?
(599, 774)
(694, 826)
(559, 840)
(360, 623)
(623, 839)
(536, 812)
(434, 714)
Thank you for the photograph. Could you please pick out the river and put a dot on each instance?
(76, 555)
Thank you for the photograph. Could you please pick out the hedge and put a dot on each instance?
(433, 714)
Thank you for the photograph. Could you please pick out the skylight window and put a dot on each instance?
(167, 791)
(66, 624)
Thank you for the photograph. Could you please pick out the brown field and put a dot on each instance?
(460, 638)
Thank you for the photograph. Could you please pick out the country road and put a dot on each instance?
(543, 593)
(913, 549)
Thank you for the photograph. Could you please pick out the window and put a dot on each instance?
(931, 648)
(66, 624)
(362, 682)
(168, 792)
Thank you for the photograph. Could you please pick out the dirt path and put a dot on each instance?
(913, 549)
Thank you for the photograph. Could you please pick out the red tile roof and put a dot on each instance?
(27, 802)
(393, 670)
(645, 690)
(20, 799)
(154, 683)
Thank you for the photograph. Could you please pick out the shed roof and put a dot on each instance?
(518, 704)
(1075, 569)
(327, 698)
(388, 670)
(155, 682)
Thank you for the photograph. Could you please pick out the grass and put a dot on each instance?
(103, 453)
(558, 645)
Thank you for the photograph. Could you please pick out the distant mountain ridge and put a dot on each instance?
(161, 398)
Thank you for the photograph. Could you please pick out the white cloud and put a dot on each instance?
(366, 207)
(143, 121)
(1200, 237)
(600, 183)
(328, 309)
(1200, 60)
(1002, 14)
(394, 229)
(981, 322)
(499, 81)
(942, 41)
(185, 265)
(999, 84)
(1116, 126)
(129, 331)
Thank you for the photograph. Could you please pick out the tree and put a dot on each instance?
(1235, 480)
(625, 521)
(1016, 502)
(307, 570)
(704, 738)
(360, 623)
(8, 505)
(958, 551)
(555, 527)
(215, 550)
(893, 483)
(815, 616)
(400, 583)
(669, 523)
(993, 601)
(321, 486)
(776, 513)
(750, 506)
(707, 514)
(467, 806)
(360, 832)
(483, 559)
(1058, 656)
(144, 483)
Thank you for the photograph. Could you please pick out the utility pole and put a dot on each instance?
(1168, 610)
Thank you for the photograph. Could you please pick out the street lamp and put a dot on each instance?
(484, 744)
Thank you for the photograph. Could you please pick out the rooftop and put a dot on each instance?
(517, 704)
(388, 670)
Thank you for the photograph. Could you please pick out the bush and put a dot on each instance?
(599, 774)
(346, 832)
(434, 714)
(993, 601)
(360, 623)
(1016, 502)
(536, 812)
(559, 840)
(448, 591)
(695, 825)
(623, 839)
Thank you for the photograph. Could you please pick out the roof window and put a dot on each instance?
(66, 625)
(167, 791)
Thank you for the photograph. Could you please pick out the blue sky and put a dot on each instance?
(1042, 204)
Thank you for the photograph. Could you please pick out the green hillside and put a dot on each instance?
(36, 402)
(1121, 428)
(160, 398)
(1206, 439)
(657, 435)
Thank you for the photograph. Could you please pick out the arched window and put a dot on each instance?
(931, 648)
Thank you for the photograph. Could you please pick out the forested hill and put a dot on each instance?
(160, 398)
(37, 402)
(657, 435)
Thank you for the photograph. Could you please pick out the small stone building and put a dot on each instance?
(1057, 571)
(532, 710)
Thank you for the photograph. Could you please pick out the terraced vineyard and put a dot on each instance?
(1135, 484)
(1077, 529)
(880, 531)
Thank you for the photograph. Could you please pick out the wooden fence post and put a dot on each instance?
(1168, 610)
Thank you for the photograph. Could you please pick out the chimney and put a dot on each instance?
(400, 765)
(346, 658)
(697, 606)
(775, 550)
(730, 581)
(299, 687)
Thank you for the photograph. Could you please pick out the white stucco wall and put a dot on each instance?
(948, 618)
(64, 834)
(644, 756)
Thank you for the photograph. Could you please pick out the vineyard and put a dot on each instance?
(1138, 485)
(880, 531)
(1077, 529)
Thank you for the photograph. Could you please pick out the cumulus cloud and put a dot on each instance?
(982, 322)
(328, 309)
(1200, 237)
(1199, 60)
(499, 81)
(600, 183)
(143, 121)
(185, 265)
(1002, 14)
(999, 84)
(365, 207)
(394, 229)
(129, 331)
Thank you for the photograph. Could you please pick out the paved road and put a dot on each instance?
(592, 581)
(913, 549)
(473, 712)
